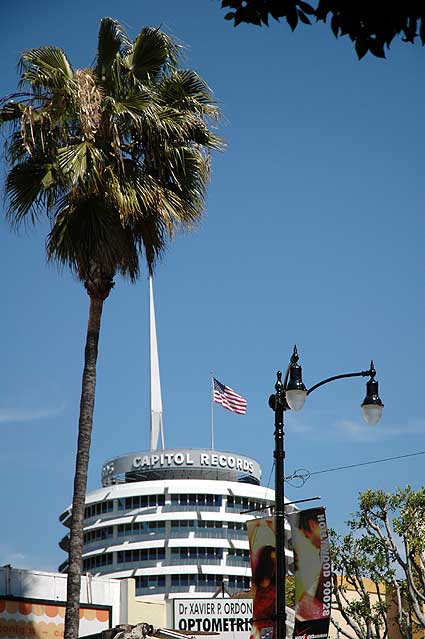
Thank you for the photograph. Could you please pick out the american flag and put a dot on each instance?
(228, 398)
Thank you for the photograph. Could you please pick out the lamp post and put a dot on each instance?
(291, 395)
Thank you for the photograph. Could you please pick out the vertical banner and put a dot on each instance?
(312, 573)
(262, 546)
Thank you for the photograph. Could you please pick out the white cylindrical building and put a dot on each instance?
(175, 521)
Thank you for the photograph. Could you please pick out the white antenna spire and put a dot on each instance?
(155, 381)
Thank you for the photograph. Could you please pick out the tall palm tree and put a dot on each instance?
(117, 155)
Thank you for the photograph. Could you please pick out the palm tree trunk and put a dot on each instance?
(72, 614)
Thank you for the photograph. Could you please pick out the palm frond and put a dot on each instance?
(185, 89)
(123, 195)
(174, 207)
(72, 160)
(112, 40)
(27, 189)
(192, 170)
(15, 151)
(134, 106)
(153, 50)
(81, 162)
(151, 239)
(10, 111)
(86, 232)
(201, 135)
(165, 123)
(45, 67)
(182, 127)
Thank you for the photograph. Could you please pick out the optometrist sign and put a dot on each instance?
(229, 617)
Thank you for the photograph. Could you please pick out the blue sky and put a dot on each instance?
(313, 235)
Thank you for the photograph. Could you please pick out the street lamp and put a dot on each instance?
(291, 395)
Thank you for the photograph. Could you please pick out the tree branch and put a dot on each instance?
(413, 591)
(339, 596)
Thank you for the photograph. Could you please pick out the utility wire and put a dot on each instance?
(304, 475)
(375, 461)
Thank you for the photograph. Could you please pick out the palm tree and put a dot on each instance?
(117, 155)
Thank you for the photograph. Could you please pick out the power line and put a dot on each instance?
(303, 475)
(374, 461)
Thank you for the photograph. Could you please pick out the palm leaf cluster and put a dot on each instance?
(116, 154)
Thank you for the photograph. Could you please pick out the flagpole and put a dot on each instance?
(212, 410)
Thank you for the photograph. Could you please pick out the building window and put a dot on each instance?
(183, 523)
(243, 503)
(150, 581)
(200, 581)
(193, 524)
(100, 508)
(141, 501)
(140, 555)
(196, 500)
(105, 559)
(239, 583)
(239, 554)
(140, 527)
(197, 553)
(210, 524)
(96, 535)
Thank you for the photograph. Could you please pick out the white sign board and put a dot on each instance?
(229, 617)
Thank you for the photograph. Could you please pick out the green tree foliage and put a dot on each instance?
(290, 591)
(371, 25)
(386, 546)
(117, 156)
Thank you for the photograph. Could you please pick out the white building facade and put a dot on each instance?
(174, 520)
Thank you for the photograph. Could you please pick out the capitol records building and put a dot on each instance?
(174, 520)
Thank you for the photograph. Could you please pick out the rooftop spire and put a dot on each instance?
(155, 381)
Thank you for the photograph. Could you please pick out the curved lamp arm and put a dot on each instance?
(370, 373)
